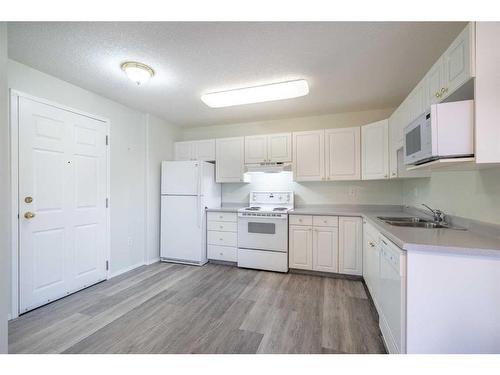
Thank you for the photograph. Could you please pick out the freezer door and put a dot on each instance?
(181, 229)
(180, 177)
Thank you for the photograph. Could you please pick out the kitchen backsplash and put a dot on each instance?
(338, 192)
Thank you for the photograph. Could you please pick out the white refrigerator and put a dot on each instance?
(187, 188)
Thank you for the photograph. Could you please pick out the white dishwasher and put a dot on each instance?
(392, 296)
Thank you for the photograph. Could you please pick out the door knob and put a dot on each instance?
(29, 215)
(28, 199)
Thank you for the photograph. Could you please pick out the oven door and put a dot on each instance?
(263, 233)
(418, 140)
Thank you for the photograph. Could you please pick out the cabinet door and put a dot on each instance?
(256, 149)
(371, 261)
(434, 82)
(309, 155)
(279, 147)
(395, 124)
(204, 150)
(343, 154)
(375, 150)
(300, 247)
(350, 245)
(229, 159)
(457, 62)
(184, 151)
(416, 102)
(325, 249)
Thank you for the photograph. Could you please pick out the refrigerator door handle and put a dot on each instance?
(198, 203)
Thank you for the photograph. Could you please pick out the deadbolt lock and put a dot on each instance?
(28, 199)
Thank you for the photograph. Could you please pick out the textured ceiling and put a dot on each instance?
(350, 66)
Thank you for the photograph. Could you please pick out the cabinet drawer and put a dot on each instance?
(222, 226)
(226, 253)
(222, 216)
(222, 238)
(300, 219)
(326, 221)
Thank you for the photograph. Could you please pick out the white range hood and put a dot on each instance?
(268, 167)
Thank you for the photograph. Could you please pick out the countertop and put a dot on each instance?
(409, 239)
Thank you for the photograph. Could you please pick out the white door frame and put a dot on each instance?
(14, 164)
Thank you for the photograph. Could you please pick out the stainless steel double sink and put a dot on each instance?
(415, 222)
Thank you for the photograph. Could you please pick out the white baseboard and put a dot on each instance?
(151, 261)
(126, 269)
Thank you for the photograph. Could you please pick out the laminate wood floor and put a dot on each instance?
(172, 308)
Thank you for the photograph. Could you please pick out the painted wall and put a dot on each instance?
(471, 194)
(129, 156)
(337, 120)
(161, 138)
(344, 192)
(321, 192)
(4, 192)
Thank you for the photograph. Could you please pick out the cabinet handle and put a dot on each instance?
(444, 90)
(393, 173)
(385, 176)
(371, 244)
(221, 227)
(437, 94)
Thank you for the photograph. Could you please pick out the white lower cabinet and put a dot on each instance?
(325, 249)
(300, 247)
(350, 245)
(222, 236)
(322, 243)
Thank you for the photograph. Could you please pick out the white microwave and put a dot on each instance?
(446, 130)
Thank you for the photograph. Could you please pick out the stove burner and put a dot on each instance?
(254, 208)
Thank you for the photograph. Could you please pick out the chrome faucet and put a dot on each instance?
(438, 215)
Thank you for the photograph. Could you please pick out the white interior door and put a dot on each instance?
(62, 202)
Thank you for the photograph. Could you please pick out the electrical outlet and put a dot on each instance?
(352, 192)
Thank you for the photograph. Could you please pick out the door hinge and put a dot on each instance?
(107, 202)
(107, 140)
(107, 265)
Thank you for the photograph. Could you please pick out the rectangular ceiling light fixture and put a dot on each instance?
(257, 94)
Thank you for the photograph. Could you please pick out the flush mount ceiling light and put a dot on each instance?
(137, 72)
(257, 94)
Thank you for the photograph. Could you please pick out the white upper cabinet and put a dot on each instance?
(375, 150)
(183, 150)
(279, 147)
(195, 150)
(204, 150)
(351, 245)
(256, 149)
(229, 159)
(309, 155)
(343, 154)
(453, 68)
(457, 61)
(273, 148)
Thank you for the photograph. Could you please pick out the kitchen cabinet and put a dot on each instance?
(375, 150)
(343, 153)
(309, 155)
(222, 236)
(273, 148)
(371, 261)
(326, 243)
(300, 247)
(453, 68)
(325, 249)
(350, 245)
(203, 150)
(229, 159)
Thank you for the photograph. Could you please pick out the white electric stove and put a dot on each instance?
(263, 231)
